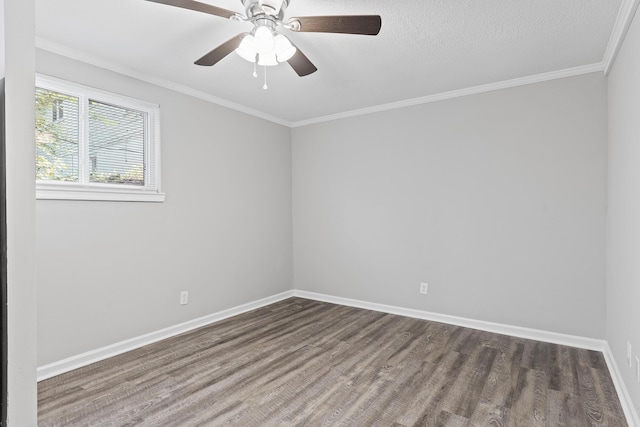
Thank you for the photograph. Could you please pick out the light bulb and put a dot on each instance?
(248, 48)
(267, 59)
(283, 47)
(264, 40)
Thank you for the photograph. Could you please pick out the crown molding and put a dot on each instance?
(59, 49)
(623, 22)
(521, 81)
(85, 57)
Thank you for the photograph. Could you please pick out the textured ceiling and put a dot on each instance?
(425, 47)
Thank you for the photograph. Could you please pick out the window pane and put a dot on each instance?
(116, 144)
(57, 136)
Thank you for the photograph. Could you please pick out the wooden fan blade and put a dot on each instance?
(197, 6)
(301, 64)
(221, 51)
(356, 24)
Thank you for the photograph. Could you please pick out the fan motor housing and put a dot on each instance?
(265, 9)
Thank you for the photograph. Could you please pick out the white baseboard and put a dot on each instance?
(80, 360)
(498, 328)
(623, 394)
(516, 331)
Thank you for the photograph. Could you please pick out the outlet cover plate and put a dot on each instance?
(184, 297)
(424, 288)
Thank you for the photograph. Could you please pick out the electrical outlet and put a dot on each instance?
(424, 288)
(638, 368)
(184, 297)
(629, 352)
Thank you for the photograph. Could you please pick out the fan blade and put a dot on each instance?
(221, 51)
(356, 24)
(301, 64)
(197, 6)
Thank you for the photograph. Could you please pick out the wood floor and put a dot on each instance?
(302, 362)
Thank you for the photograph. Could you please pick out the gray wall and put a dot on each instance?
(108, 271)
(497, 200)
(18, 25)
(623, 243)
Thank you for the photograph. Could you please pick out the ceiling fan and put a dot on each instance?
(265, 45)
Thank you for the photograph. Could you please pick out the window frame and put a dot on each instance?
(85, 190)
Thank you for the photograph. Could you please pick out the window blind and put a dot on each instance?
(116, 144)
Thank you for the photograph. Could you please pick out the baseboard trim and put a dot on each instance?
(84, 359)
(92, 356)
(534, 334)
(623, 393)
(516, 331)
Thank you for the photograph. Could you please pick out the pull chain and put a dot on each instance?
(265, 87)
(255, 69)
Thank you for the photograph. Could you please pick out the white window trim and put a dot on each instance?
(59, 190)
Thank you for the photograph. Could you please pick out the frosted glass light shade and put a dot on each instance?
(283, 47)
(267, 59)
(265, 47)
(264, 40)
(248, 48)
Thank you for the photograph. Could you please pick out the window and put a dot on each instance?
(95, 145)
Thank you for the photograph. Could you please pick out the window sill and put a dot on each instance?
(66, 191)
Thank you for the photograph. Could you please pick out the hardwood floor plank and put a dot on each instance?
(420, 388)
(475, 382)
(511, 384)
(565, 410)
(466, 390)
(307, 363)
(594, 397)
(440, 385)
(530, 405)
(607, 393)
(500, 373)
(488, 414)
(451, 420)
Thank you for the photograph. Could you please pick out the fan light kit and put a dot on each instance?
(265, 45)
(270, 49)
